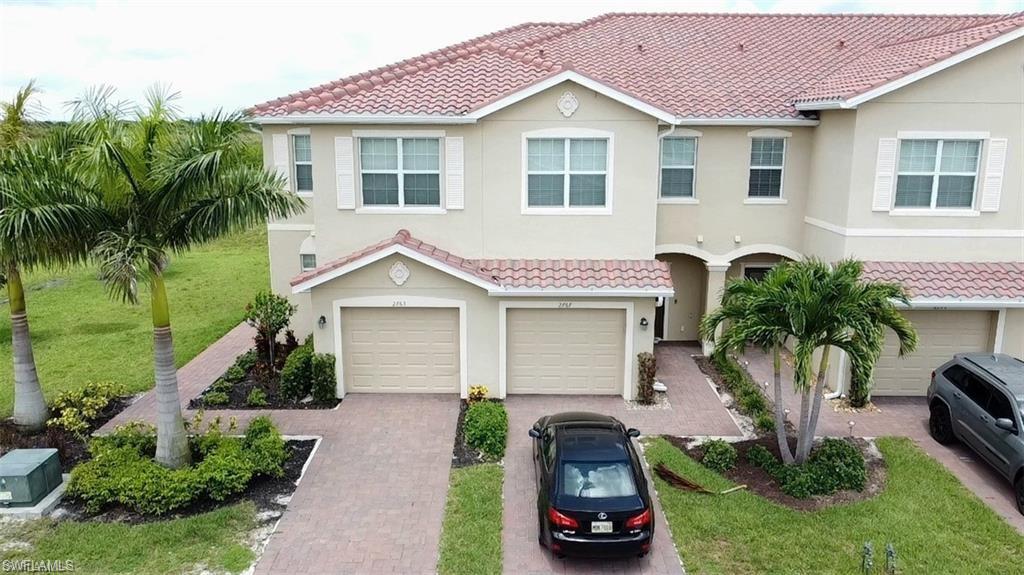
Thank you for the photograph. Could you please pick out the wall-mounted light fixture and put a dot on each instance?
(643, 323)
(322, 322)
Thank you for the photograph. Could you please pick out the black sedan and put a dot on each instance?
(592, 497)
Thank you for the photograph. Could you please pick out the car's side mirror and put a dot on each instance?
(1005, 424)
(534, 433)
(633, 432)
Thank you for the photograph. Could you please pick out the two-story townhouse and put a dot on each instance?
(530, 209)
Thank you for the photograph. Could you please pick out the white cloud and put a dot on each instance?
(233, 54)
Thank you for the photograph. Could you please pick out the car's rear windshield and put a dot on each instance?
(597, 479)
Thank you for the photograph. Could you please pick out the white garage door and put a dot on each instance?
(400, 350)
(568, 351)
(940, 335)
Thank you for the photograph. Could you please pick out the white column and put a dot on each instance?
(713, 295)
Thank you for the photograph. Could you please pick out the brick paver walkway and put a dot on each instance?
(902, 416)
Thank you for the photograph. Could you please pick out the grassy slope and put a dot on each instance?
(79, 334)
(215, 540)
(471, 535)
(935, 524)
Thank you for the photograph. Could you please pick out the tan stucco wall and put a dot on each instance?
(985, 93)
(1013, 333)
(683, 312)
(720, 184)
(284, 265)
(482, 348)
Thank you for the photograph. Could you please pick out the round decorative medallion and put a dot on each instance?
(398, 273)
(568, 104)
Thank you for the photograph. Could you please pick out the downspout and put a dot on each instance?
(840, 378)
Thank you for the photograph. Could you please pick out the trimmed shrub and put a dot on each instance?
(297, 375)
(835, 465)
(765, 422)
(234, 374)
(486, 428)
(719, 455)
(216, 398)
(76, 410)
(749, 399)
(841, 464)
(324, 382)
(477, 393)
(760, 456)
(222, 385)
(648, 367)
(256, 398)
(123, 472)
(247, 360)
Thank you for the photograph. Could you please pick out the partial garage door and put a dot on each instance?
(940, 335)
(565, 351)
(400, 350)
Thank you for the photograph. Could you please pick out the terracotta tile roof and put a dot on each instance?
(953, 280)
(692, 65)
(579, 274)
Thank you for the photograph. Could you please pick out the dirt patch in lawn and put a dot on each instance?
(270, 495)
(760, 482)
(72, 449)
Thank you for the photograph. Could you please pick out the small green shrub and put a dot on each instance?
(719, 455)
(765, 422)
(234, 374)
(834, 466)
(247, 360)
(123, 472)
(486, 428)
(76, 410)
(256, 398)
(297, 374)
(221, 385)
(323, 379)
(760, 456)
(216, 398)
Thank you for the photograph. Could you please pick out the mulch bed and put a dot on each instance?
(72, 449)
(463, 455)
(758, 481)
(269, 494)
(239, 394)
(707, 367)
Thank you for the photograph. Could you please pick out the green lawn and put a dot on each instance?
(79, 334)
(214, 541)
(471, 534)
(935, 524)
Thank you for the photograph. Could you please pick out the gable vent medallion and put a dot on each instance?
(398, 273)
(568, 104)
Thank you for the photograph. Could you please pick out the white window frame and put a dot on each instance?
(679, 135)
(768, 133)
(292, 134)
(755, 265)
(565, 209)
(362, 208)
(933, 209)
(302, 262)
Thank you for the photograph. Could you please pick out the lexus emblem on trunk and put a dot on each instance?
(602, 515)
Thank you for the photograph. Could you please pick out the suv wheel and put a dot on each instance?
(940, 425)
(1018, 488)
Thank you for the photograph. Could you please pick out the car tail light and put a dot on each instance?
(640, 520)
(563, 521)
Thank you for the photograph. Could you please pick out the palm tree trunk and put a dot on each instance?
(30, 411)
(801, 434)
(171, 441)
(819, 389)
(780, 416)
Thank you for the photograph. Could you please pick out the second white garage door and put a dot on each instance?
(940, 335)
(566, 351)
(400, 350)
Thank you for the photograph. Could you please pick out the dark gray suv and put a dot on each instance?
(979, 399)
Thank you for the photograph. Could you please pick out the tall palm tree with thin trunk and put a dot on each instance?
(30, 411)
(820, 307)
(167, 186)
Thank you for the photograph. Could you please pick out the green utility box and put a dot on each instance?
(27, 476)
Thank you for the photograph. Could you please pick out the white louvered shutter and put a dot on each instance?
(454, 173)
(345, 173)
(281, 161)
(885, 174)
(992, 184)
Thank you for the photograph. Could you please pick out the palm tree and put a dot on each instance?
(821, 307)
(167, 185)
(30, 411)
(751, 310)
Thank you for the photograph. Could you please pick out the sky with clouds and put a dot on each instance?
(235, 53)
